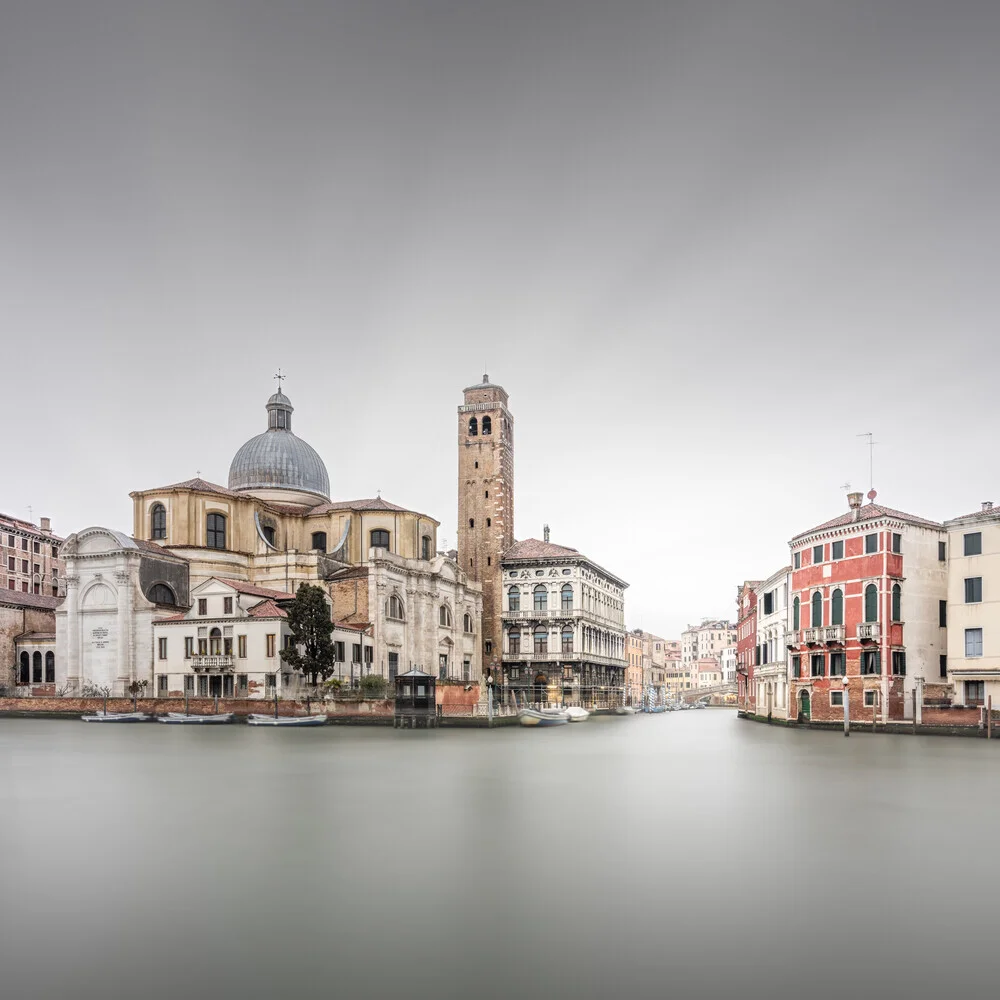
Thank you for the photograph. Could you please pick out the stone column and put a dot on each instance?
(125, 672)
(919, 719)
(73, 670)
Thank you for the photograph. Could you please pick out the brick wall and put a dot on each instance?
(14, 622)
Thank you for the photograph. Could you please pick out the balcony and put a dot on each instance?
(576, 657)
(812, 636)
(513, 616)
(211, 663)
(833, 633)
(869, 632)
(793, 639)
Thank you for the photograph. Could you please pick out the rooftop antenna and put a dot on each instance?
(30, 510)
(871, 463)
(845, 486)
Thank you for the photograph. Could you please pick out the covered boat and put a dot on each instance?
(577, 714)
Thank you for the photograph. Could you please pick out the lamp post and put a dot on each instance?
(847, 709)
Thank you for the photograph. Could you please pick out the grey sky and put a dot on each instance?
(703, 245)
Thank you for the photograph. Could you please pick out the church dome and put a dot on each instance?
(277, 459)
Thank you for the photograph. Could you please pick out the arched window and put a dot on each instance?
(795, 614)
(50, 667)
(816, 619)
(444, 616)
(567, 597)
(514, 641)
(541, 640)
(25, 673)
(380, 539)
(215, 535)
(871, 603)
(426, 548)
(837, 607)
(541, 597)
(473, 427)
(514, 599)
(319, 541)
(215, 642)
(467, 623)
(567, 640)
(160, 593)
(394, 608)
(36, 667)
(158, 521)
(487, 425)
(897, 594)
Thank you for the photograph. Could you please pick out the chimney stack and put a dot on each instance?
(987, 505)
(46, 525)
(546, 533)
(854, 502)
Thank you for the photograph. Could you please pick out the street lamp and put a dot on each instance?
(847, 709)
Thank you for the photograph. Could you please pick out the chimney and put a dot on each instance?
(987, 505)
(545, 533)
(47, 525)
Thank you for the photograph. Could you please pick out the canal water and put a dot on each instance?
(680, 855)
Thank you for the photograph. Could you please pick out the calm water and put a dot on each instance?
(689, 855)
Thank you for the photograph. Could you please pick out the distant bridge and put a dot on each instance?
(713, 695)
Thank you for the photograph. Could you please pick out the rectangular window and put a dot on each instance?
(227, 646)
(202, 605)
(55, 552)
(10, 540)
(975, 692)
(797, 560)
(514, 643)
(816, 664)
(973, 543)
(241, 683)
(871, 543)
(202, 686)
(393, 665)
(973, 642)
(189, 683)
(24, 544)
(269, 680)
(817, 554)
(466, 669)
(161, 645)
(897, 542)
(11, 564)
(356, 652)
(203, 647)
(24, 565)
(24, 586)
(943, 614)
(768, 604)
(227, 605)
(338, 651)
(836, 664)
(973, 589)
(442, 666)
(35, 547)
(161, 684)
(871, 661)
(837, 699)
(837, 550)
(942, 551)
(241, 646)
(869, 699)
(369, 655)
(287, 641)
(269, 644)
(899, 662)
(35, 568)
(188, 647)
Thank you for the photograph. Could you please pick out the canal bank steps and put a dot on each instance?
(898, 728)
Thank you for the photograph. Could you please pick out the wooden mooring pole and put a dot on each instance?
(989, 717)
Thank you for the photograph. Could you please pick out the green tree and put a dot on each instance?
(310, 623)
(373, 686)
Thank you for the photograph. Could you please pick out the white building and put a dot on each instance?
(770, 656)
(727, 662)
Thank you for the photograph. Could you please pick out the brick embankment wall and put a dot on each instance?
(943, 722)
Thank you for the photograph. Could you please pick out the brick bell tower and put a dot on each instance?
(486, 505)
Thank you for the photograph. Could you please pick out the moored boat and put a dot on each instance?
(180, 718)
(624, 710)
(286, 720)
(115, 717)
(547, 717)
(577, 714)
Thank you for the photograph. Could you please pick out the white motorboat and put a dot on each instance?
(286, 720)
(115, 717)
(577, 714)
(180, 718)
(545, 717)
(624, 710)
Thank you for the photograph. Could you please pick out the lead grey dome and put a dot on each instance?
(277, 459)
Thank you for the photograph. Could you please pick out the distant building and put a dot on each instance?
(564, 626)
(31, 557)
(633, 666)
(709, 672)
(746, 644)
(727, 661)
(706, 640)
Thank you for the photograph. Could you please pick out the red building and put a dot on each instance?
(746, 644)
(867, 606)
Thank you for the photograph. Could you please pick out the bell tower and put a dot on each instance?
(486, 504)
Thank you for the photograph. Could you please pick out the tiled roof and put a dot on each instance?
(267, 609)
(988, 514)
(9, 521)
(201, 485)
(248, 588)
(351, 627)
(372, 503)
(39, 602)
(534, 548)
(171, 618)
(869, 512)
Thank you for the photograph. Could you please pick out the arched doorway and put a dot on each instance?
(804, 706)
(540, 690)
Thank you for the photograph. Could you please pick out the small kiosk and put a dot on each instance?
(416, 703)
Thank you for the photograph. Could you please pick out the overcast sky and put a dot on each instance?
(702, 244)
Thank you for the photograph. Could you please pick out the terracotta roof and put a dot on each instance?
(372, 503)
(171, 618)
(989, 514)
(201, 485)
(9, 521)
(267, 609)
(869, 512)
(359, 627)
(248, 588)
(534, 548)
(18, 599)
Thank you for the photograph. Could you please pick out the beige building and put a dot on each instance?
(709, 672)
(972, 664)
(707, 640)
(633, 667)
